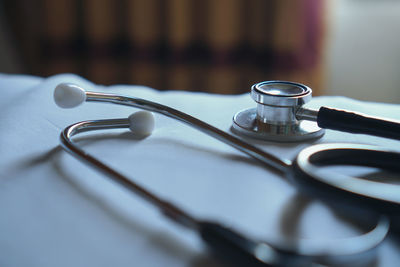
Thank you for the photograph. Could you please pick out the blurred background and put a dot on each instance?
(337, 47)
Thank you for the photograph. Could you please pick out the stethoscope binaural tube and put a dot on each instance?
(234, 246)
(280, 116)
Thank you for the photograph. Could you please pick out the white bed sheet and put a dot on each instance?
(55, 211)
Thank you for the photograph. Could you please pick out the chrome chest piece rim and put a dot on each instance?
(274, 118)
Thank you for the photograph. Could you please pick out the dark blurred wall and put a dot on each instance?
(220, 46)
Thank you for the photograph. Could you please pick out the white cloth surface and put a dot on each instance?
(56, 211)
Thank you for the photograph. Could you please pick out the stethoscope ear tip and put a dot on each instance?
(141, 123)
(69, 95)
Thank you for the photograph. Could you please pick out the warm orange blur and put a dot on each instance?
(220, 46)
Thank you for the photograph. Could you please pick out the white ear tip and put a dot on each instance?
(141, 123)
(69, 95)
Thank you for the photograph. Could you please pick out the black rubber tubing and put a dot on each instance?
(334, 119)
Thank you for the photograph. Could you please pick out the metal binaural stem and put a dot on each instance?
(167, 208)
(266, 158)
(306, 114)
(226, 242)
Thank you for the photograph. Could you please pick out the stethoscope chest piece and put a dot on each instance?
(275, 117)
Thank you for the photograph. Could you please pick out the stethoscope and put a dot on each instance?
(279, 116)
